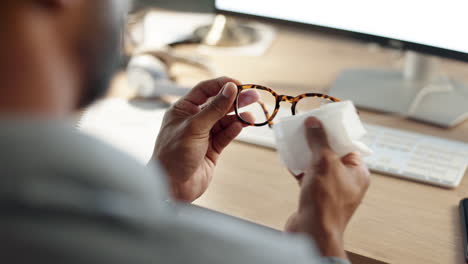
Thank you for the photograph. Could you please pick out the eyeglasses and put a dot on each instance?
(268, 104)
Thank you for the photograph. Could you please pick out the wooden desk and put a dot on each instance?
(399, 221)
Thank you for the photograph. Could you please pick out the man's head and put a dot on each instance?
(100, 50)
(57, 55)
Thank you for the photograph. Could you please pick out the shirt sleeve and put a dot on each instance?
(231, 240)
(332, 260)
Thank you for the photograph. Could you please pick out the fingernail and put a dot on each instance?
(312, 123)
(228, 90)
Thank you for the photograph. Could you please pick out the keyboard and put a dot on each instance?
(408, 155)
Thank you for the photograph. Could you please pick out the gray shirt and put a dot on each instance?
(68, 198)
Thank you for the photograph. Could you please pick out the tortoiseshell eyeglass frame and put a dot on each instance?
(279, 98)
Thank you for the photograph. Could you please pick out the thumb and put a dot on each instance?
(217, 108)
(316, 136)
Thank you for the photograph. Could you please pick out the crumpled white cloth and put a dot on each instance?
(341, 123)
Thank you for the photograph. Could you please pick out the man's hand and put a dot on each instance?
(331, 191)
(194, 133)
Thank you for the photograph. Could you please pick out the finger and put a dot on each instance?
(246, 98)
(224, 123)
(316, 136)
(228, 120)
(207, 89)
(228, 130)
(224, 137)
(353, 159)
(206, 119)
(322, 154)
(247, 117)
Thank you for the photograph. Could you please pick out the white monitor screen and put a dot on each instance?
(437, 23)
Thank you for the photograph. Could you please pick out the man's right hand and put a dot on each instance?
(331, 191)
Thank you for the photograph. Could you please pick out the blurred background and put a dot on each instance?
(184, 6)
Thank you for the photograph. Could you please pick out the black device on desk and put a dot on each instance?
(464, 223)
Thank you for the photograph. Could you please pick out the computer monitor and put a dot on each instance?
(430, 27)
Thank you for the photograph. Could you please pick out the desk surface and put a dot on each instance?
(399, 221)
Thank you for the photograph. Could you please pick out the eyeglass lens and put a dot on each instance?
(262, 109)
(310, 103)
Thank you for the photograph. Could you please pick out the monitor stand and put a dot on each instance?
(420, 92)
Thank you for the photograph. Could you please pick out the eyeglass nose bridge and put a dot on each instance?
(290, 99)
(286, 98)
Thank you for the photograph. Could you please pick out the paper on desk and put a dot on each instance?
(161, 28)
(129, 126)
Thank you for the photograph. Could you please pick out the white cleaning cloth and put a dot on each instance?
(341, 124)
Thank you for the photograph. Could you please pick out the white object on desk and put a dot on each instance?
(415, 156)
(399, 153)
(148, 77)
(131, 127)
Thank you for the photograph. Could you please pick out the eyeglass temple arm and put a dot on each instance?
(267, 114)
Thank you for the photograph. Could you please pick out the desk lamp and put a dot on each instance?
(224, 32)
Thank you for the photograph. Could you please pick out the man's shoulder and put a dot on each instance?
(55, 151)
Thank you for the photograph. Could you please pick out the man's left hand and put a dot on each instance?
(194, 133)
